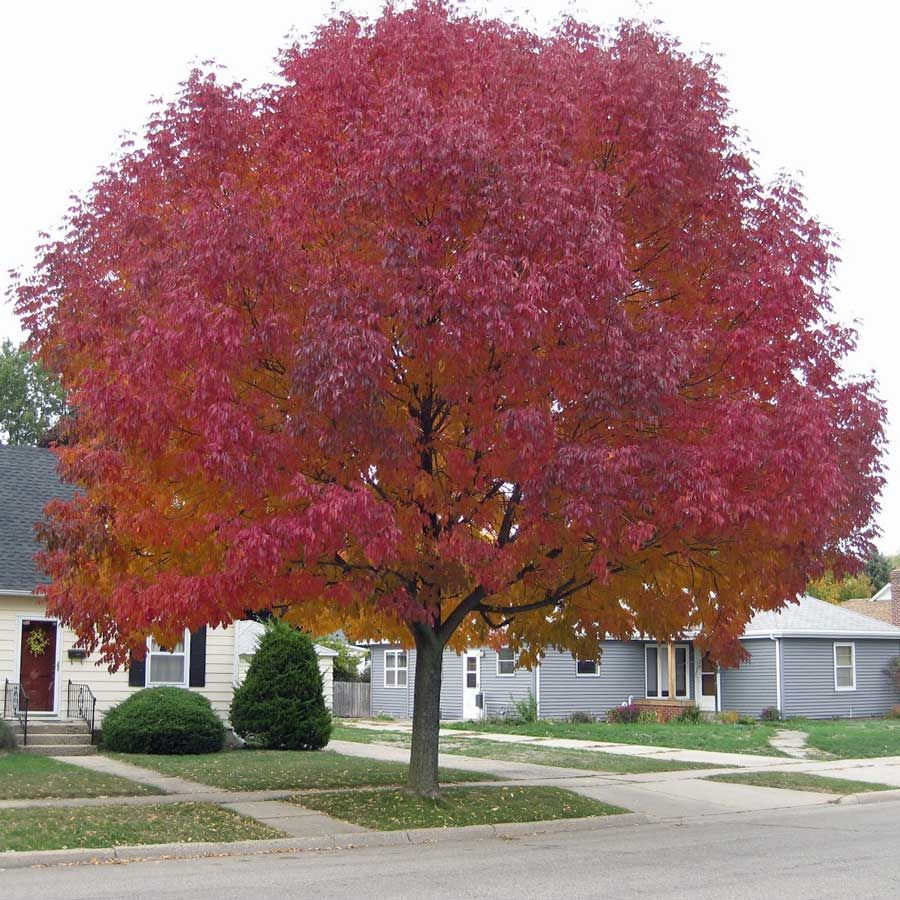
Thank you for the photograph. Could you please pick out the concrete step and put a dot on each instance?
(52, 738)
(51, 726)
(59, 749)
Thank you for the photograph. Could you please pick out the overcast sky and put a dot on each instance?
(813, 84)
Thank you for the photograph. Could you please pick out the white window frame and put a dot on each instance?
(396, 668)
(515, 663)
(687, 673)
(186, 653)
(852, 666)
(594, 674)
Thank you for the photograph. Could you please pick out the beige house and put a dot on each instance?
(41, 669)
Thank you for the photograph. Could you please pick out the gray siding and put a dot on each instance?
(451, 685)
(502, 692)
(562, 692)
(808, 678)
(751, 687)
(391, 701)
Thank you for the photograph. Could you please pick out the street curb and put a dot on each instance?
(869, 797)
(12, 859)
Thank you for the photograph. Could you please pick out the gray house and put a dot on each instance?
(811, 659)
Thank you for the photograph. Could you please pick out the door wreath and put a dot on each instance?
(37, 641)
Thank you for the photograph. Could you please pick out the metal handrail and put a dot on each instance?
(81, 699)
(15, 703)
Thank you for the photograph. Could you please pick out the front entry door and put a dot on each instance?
(471, 684)
(37, 664)
(707, 684)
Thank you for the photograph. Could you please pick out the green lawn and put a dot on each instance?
(259, 770)
(801, 781)
(394, 810)
(851, 738)
(702, 736)
(112, 826)
(25, 777)
(591, 760)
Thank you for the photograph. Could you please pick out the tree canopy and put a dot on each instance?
(31, 399)
(459, 332)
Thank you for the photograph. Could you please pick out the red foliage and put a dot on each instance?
(457, 324)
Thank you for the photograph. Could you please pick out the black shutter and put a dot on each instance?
(137, 672)
(197, 674)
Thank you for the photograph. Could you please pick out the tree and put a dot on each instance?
(281, 705)
(850, 587)
(346, 664)
(31, 399)
(461, 334)
(878, 570)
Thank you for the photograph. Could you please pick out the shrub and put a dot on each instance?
(627, 714)
(7, 738)
(280, 705)
(580, 718)
(163, 720)
(649, 717)
(526, 709)
(729, 717)
(691, 715)
(893, 669)
(893, 713)
(771, 714)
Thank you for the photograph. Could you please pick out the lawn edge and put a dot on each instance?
(12, 859)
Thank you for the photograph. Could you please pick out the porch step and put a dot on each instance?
(58, 749)
(52, 738)
(52, 726)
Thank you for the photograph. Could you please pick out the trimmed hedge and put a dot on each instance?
(164, 720)
(7, 738)
(280, 705)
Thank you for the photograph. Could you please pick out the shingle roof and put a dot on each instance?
(28, 481)
(810, 616)
(877, 609)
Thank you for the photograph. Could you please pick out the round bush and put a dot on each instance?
(163, 720)
(7, 738)
(280, 705)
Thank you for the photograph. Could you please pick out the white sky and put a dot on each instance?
(813, 83)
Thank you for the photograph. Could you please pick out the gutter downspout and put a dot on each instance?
(777, 671)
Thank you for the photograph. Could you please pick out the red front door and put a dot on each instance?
(37, 670)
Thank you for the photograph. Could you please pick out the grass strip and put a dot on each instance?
(397, 810)
(112, 826)
(801, 781)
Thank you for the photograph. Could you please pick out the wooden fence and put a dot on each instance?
(352, 699)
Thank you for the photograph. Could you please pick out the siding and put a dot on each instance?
(111, 688)
(808, 679)
(563, 692)
(502, 692)
(391, 701)
(751, 687)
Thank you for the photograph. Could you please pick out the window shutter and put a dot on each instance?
(137, 672)
(197, 672)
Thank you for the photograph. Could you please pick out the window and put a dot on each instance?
(506, 661)
(656, 659)
(167, 666)
(587, 667)
(396, 668)
(845, 667)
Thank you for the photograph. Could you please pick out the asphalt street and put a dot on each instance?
(826, 853)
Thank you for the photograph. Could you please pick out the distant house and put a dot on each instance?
(810, 659)
(39, 662)
(884, 605)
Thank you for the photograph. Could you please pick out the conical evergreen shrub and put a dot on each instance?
(280, 705)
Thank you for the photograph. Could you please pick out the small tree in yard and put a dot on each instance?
(458, 335)
(280, 705)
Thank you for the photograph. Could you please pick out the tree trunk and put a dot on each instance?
(423, 758)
